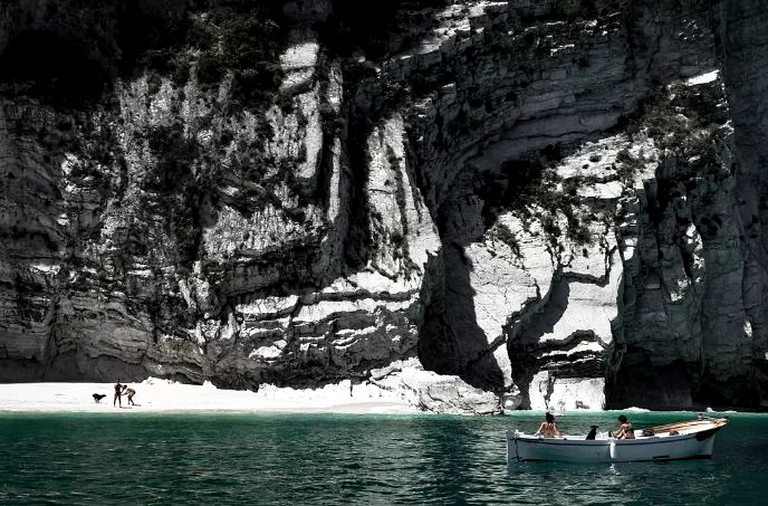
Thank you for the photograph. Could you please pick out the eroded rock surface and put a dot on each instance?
(479, 205)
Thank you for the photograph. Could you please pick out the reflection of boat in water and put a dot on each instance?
(681, 440)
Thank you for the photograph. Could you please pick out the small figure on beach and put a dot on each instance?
(118, 392)
(625, 429)
(548, 427)
(98, 397)
(129, 392)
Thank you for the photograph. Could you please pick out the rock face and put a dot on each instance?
(480, 205)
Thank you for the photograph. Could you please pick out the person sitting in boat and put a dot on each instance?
(548, 427)
(625, 429)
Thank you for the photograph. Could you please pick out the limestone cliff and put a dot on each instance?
(552, 204)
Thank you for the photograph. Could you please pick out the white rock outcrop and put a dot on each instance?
(473, 207)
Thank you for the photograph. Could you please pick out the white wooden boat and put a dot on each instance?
(682, 440)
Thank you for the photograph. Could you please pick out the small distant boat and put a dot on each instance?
(693, 439)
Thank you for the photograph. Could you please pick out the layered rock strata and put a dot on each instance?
(548, 205)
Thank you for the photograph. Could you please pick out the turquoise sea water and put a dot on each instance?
(350, 459)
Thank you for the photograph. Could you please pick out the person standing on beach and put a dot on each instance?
(118, 392)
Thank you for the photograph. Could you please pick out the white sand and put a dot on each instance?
(155, 395)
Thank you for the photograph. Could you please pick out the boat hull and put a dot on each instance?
(697, 444)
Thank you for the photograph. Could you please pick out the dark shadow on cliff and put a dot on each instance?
(375, 29)
(53, 69)
(641, 383)
(525, 347)
(70, 55)
(677, 385)
(451, 341)
(451, 335)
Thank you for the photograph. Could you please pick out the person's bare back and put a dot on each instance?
(130, 392)
(548, 427)
(625, 430)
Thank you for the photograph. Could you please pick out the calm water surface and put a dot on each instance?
(349, 459)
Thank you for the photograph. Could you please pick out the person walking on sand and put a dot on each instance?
(118, 392)
(130, 392)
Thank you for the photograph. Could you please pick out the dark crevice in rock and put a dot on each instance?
(524, 347)
(516, 83)
(641, 382)
(450, 320)
(358, 235)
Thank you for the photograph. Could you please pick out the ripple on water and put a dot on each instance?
(324, 459)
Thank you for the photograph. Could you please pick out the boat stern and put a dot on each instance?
(512, 454)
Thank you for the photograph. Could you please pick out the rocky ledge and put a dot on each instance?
(476, 205)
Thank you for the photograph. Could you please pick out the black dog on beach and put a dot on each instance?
(98, 397)
(592, 433)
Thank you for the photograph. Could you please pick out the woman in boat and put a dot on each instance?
(625, 429)
(548, 427)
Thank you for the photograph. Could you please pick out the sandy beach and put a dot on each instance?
(157, 395)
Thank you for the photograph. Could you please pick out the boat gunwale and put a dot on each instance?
(713, 425)
(651, 440)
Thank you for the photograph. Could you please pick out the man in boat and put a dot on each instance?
(625, 429)
(548, 427)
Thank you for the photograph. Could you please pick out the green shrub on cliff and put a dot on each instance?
(532, 186)
(246, 42)
(183, 189)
